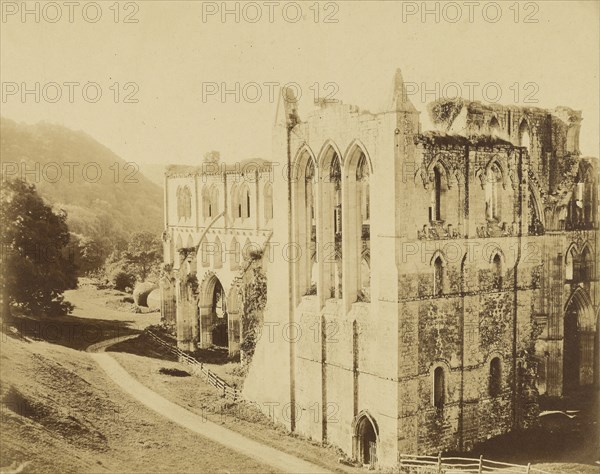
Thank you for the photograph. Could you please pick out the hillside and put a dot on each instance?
(102, 195)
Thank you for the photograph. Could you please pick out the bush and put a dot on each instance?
(123, 280)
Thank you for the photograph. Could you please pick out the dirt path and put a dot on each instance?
(103, 345)
(198, 424)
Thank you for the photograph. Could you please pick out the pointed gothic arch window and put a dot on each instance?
(244, 201)
(586, 267)
(493, 184)
(494, 127)
(570, 264)
(524, 136)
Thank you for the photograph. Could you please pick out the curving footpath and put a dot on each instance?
(277, 459)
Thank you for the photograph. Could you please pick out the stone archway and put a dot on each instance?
(366, 439)
(579, 342)
(212, 305)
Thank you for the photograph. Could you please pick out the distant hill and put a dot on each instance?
(111, 206)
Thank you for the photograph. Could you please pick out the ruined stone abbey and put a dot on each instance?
(422, 287)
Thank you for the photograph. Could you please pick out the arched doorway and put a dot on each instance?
(578, 342)
(214, 318)
(219, 316)
(366, 440)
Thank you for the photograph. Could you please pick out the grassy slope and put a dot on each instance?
(204, 400)
(60, 412)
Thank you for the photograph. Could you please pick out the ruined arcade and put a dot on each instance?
(423, 286)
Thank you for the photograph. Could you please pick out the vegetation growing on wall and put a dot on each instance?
(254, 294)
(444, 111)
(495, 318)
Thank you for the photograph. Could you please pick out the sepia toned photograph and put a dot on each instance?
(301, 236)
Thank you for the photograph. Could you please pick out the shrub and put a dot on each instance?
(123, 280)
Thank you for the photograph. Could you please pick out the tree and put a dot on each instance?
(36, 265)
(90, 253)
(143, 255)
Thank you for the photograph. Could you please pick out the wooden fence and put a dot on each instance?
(437, 464)
(199, 369)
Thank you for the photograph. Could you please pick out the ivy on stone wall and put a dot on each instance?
(527, 374)
(191, 281)
(254, 296)
(495, 317)
(444, 111)
(438, 331)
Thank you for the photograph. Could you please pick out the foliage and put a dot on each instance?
(567, 169)
(184, 252)
(444, 111)
(255, 254)
(89, 253)
(36, 268)
(191, 280)
(143, 255)
(254, 296)
(105, 198)
(123, 281)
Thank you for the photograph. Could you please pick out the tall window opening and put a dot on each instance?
(234, 202)
(570, 264)
(435, 209)
(310, 191)
(493, 182)
(438, 277)
(244, 201)
(439, 388)
(335, 178)
(495, 377)
(494, 127)
(497, 268)
(363, 175)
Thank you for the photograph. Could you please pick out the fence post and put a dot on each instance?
(439, 462)
(480, 464)
(528, 467)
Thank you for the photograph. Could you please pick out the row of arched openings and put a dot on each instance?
(331, 215)
(240, 202)
(493, 180)
(579, 265)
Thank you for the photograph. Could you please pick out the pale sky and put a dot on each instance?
(171, 55)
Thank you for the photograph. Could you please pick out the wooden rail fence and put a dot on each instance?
(199, 369)
(452, 465)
